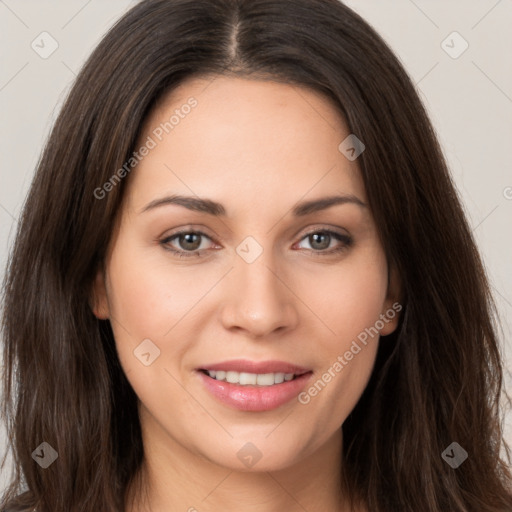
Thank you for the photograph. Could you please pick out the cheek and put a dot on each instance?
(349, 301)
(349, 297)
(149, 295)
(152, 298)
(143, 304)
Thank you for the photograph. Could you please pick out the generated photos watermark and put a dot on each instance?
(342, 360)
(151, 142)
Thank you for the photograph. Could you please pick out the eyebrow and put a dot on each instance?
(213, 208)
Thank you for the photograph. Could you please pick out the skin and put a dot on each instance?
(257, 147)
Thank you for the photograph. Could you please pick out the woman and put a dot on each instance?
(243, 279)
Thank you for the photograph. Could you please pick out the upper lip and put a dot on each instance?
(260, 367)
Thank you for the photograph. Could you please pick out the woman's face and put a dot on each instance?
(269, 280)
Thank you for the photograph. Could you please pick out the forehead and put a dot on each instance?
(239, 140)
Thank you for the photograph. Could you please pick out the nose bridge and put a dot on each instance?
(260, 303)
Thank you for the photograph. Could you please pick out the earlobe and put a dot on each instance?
(98, 298)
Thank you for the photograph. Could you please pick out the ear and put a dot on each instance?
(393, 303)
(98, 299)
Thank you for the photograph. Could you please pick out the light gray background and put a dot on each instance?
(469, 99)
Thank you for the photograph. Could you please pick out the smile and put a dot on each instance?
(250, 379)
(253, 392)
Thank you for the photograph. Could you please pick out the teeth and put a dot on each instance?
(250, 379)
(246, 379)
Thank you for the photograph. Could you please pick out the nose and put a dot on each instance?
(259, 301)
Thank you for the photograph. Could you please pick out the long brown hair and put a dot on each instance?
(438, 377)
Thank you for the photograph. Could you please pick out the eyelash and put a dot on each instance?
(345, 239)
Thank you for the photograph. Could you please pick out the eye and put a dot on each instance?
(321, 240)
(189, 243)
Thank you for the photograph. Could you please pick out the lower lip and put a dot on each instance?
(255, 398)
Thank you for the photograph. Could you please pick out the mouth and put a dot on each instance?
(252, 379)
(251, 386)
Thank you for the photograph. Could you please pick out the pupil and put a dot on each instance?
(189, 242)
(319, 235)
